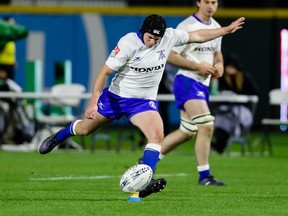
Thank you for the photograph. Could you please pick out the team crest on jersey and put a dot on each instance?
(115, 51)
(161, 54)
(152, 104)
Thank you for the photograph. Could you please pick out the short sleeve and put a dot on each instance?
(183, 38)
(219, 43)
(119, 55)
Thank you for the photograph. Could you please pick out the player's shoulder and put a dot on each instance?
(129, 37)
(169, 30)
(130, 40)
(192, 23)
(215, 23)
(187, 23)
(172, 32)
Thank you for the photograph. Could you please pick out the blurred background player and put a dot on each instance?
(8, 47)
(198, 63)
(8, 55)
(9, 33)
(11, 129)
(232, 119)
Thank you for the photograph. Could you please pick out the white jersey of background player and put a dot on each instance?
(140, 68)
(203, 52)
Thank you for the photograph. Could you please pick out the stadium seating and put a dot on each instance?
(60, 113)
(277, 98)
(243, 137)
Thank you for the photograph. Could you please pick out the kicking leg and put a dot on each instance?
(78, 127)
(150, 123)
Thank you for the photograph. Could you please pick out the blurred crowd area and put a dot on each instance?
(125, 3)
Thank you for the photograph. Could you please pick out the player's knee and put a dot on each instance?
(155, 136)
(203, 119)
(85, 132)
(206, 129)
(188, 127)
(160, 136)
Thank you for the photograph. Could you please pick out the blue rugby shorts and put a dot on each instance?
(186, 89)
(113, 106)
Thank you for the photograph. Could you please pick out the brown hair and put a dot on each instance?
(239, 79)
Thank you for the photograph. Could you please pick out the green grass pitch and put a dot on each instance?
(85, 183)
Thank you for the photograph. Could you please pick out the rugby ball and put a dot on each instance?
(136, 178)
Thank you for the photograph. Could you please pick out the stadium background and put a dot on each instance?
(86, 35)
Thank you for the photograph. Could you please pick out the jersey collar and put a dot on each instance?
(199, 20)
(140, 36)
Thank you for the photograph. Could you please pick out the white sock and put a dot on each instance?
(161, 156)
(74, 126)
(203, 167)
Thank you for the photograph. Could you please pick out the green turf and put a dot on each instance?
(65, 183)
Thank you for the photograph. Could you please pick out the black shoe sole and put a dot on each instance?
(157, 186)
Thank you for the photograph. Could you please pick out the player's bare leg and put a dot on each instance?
(150, 123)
(199, 112)
(173, 140)
(176, 138)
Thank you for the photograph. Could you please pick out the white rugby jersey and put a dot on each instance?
(198, 52)
(140, 68)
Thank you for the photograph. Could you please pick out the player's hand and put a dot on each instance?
(219, 70)
(205, 69)
(90, 111)
(237, 24)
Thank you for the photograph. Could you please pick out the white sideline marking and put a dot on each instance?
(95, 177)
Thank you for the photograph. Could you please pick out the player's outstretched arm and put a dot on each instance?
(204, 35)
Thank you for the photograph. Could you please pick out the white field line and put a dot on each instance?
(63, 178)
